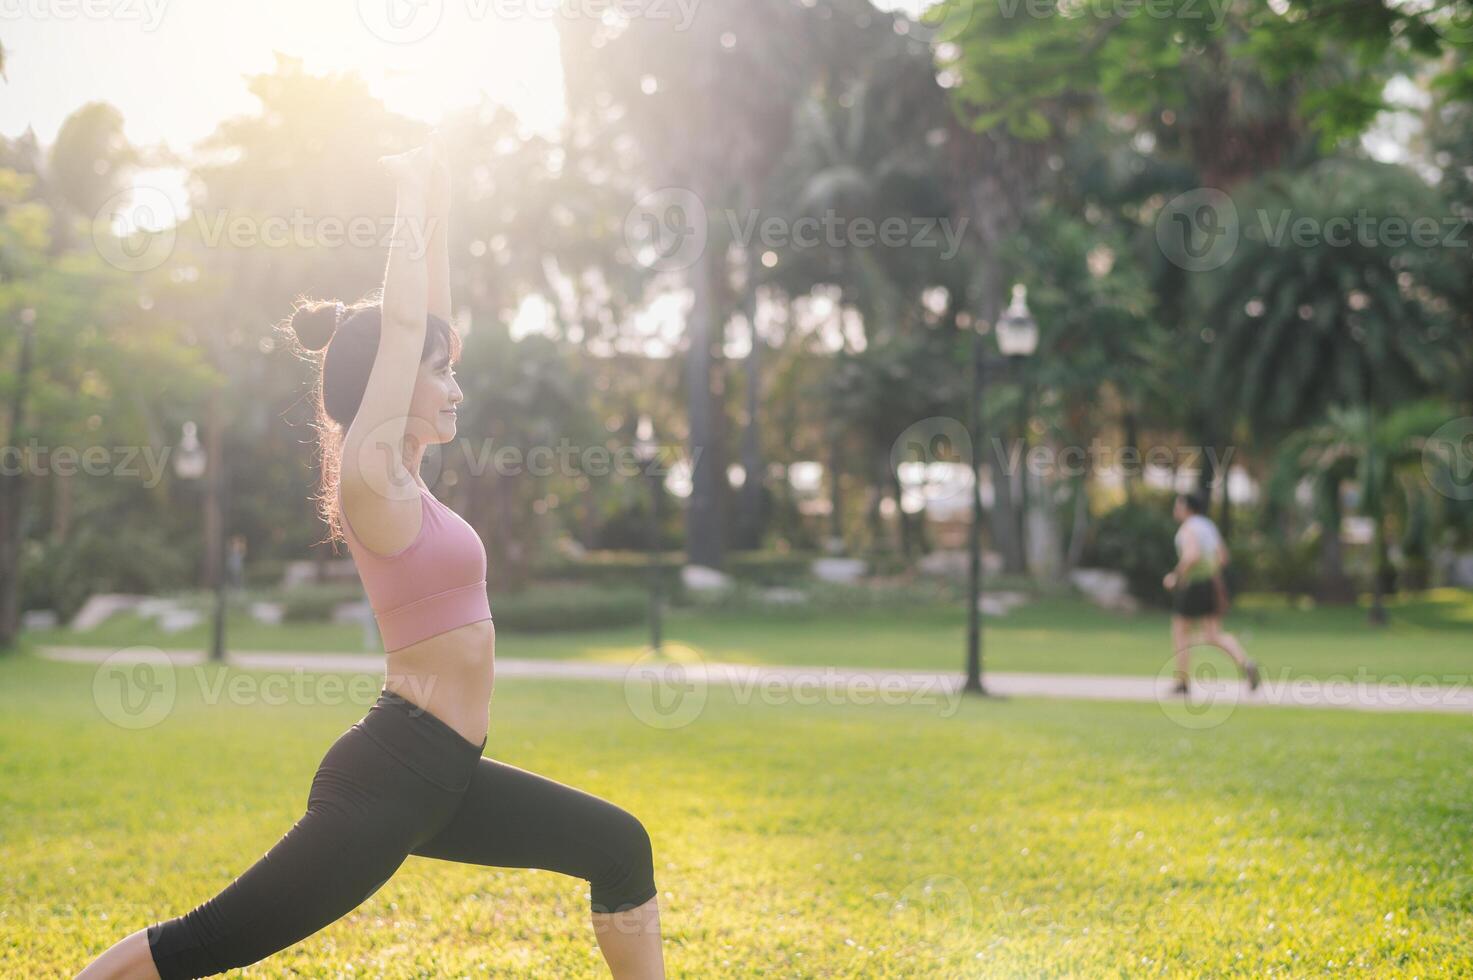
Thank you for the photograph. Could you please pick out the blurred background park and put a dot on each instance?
(797, 333)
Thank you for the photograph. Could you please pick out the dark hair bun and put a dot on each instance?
(314, 323)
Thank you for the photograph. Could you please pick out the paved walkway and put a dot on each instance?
(1452, 694)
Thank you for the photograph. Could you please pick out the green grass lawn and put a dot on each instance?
(1430, 635)
(1020, 838)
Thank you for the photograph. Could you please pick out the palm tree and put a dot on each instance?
(1342, 318)
(1383, 456)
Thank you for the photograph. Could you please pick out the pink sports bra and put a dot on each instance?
(435, 583)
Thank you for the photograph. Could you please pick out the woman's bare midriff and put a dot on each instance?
(450, 675)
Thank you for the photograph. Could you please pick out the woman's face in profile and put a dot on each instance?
(436, 396)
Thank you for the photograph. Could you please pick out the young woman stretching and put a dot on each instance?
(409, 778)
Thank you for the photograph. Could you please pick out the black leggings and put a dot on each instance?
(401, 782)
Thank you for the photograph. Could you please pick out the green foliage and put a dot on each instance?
(551, 608)
(315, 602)
(613, 568)
(770, 567)
(823, 598)
(1022, 64)
(1138, 539)
(610, 569)
(1344, 316)
(1266, 563)
(128, 557)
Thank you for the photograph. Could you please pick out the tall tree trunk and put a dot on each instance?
(836, 496)
(63, 500)
(704, 545)
(906, 539)
(215, 485)
(991, 206)
(12, 499)
(1225, 522)
(1131, 425)
(878, 483)
(751, 518)
(1207, 474)
(1334, 585)
(1080, 526)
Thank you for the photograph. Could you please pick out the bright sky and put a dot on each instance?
(176, 67)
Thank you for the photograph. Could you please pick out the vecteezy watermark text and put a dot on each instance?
(668, 229)
(410, 21)
(149, 13)
(1099, 458)
(138, 229)
(35, 459)
(137, 687)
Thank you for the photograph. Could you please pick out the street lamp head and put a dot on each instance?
(191, 459)
(1017, 331)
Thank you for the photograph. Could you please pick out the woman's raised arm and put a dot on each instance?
(438, 203)
(373, 464)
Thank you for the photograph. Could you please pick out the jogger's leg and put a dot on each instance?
(1182, 647)
(512, 818)
(1214, 635)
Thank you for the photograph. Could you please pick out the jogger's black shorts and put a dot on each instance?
(401, 782)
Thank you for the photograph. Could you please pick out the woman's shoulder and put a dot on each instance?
(1204, 525)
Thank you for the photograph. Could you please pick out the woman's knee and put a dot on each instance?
(629, 879)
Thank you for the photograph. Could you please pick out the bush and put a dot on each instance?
(1138, 539)
(827, 597)
(1271, 565)
(620, 568)
(130, 558)
(264, 572)
(612, 569)
(887, 562)
(547, 607)
(770, 567)
(315, 602)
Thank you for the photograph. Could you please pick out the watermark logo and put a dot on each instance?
(135, 230)
(135, 687)
(943, 23)
(1454, 21)
(401, 21)
(937, 907)
(1209, 702)
(1447, 459)
(380, 452)
(667, 229)
(925, 457)
(1198, 230)
(668, 691)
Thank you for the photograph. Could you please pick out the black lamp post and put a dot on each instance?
(647, 452)
(190, 463)
(1017, 338)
